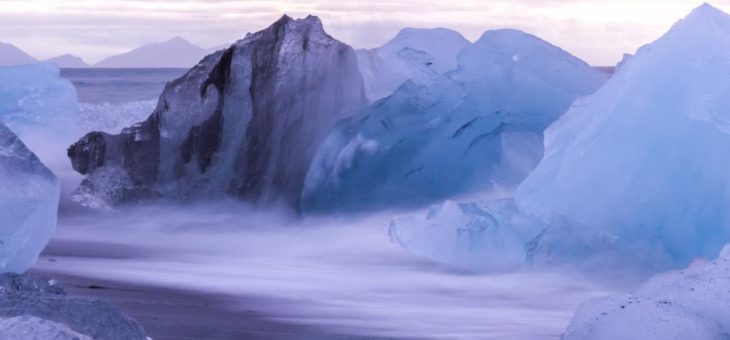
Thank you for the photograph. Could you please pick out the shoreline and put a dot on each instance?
(170, 313)
(176, 314)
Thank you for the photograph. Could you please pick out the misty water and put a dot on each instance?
(340, 273)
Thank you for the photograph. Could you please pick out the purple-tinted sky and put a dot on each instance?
(598, 31)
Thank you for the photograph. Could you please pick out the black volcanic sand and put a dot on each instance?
(167, 313)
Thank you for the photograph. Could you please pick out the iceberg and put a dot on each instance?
(35, 97)
(693, 303)
(634, 176)
(643, 160)
(419, 55)
(246, 122)
(473, 129)
(28, 204)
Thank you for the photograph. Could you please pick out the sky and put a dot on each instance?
(597, 31)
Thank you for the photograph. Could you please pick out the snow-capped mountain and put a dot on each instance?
(246, 121)
(176, 52)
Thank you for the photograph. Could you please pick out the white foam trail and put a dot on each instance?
(340, 273)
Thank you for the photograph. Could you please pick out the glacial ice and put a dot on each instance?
(246, 122)
(419, 55)
(693, 303)
(476, 128)
(35, 97)
(466, 234)
(643, 160)
(634, 175)
(28, 204)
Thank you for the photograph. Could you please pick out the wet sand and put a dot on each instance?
(167, 313)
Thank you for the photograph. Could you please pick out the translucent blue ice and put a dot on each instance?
(35, 97)
(29, 195)
(634, 175)
(475, 128)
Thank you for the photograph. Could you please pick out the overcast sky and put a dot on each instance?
(599, 31)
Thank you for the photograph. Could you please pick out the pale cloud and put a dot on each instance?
(596, 30)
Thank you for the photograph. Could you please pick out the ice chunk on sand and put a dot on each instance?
(688, 304)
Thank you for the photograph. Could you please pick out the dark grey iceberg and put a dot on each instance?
(246, 122)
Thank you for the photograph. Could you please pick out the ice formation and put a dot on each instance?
(688, 304)
(29, 197)
(643, 160)
(472, 129)
(634, 175)
(416, 54)
(40, 309)
(467, 234)
(35, 97)
(245, 121)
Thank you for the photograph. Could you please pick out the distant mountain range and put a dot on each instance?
(11, 55)
(67, 61)
(175, 53)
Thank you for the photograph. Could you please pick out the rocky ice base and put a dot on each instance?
(246, 121)
(40, 309)
(688, 304)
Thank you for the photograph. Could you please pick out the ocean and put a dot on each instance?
(114, 86)
(111, 99)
